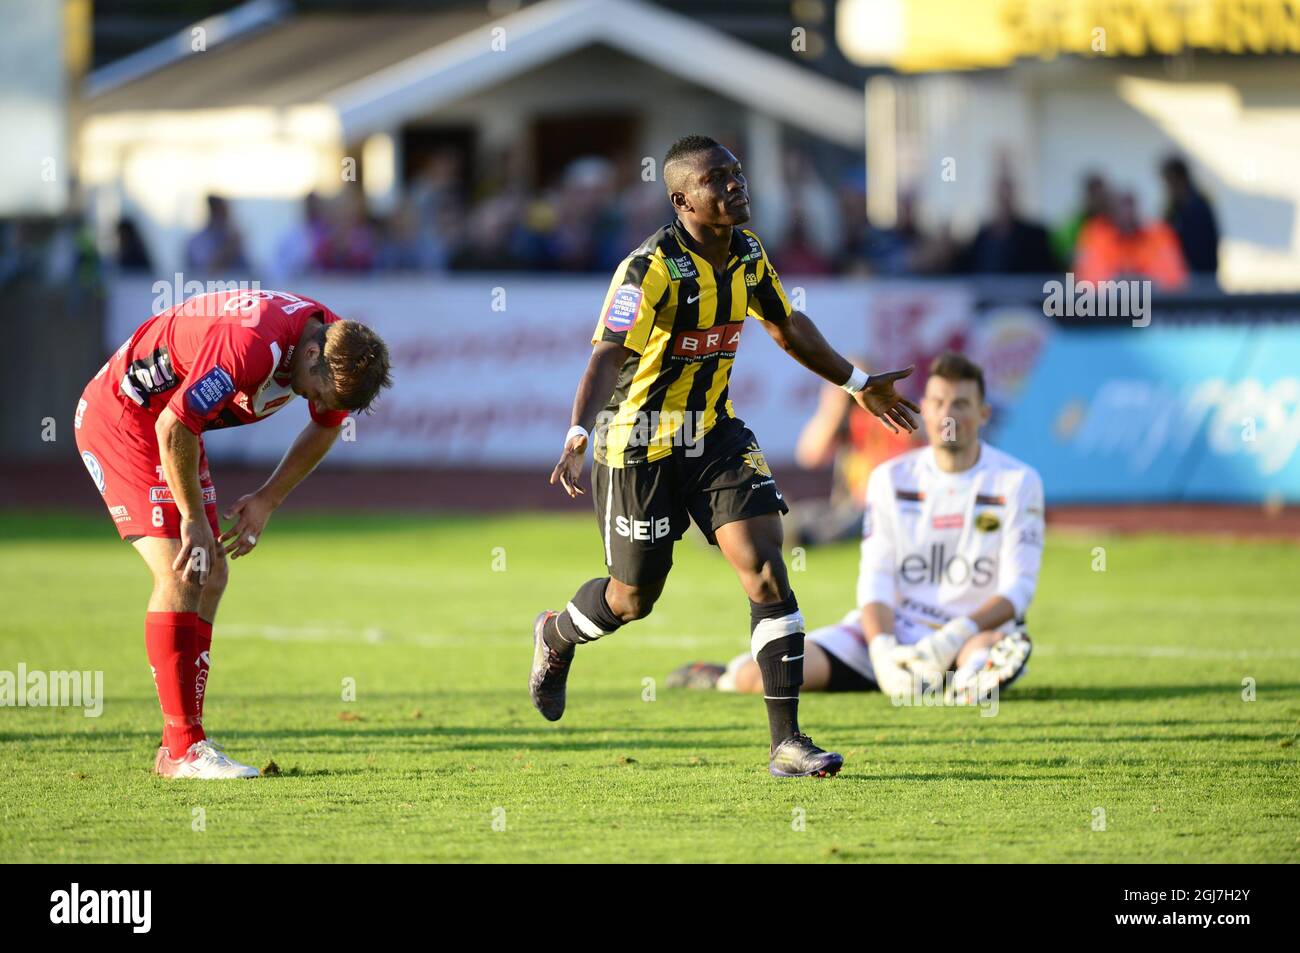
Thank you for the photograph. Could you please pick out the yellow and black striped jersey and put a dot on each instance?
(681, 319)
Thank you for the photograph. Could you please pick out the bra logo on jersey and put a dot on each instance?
(937, 567)
(987, 523)
(682, 267)
(718, 341)
(623, 308)
(755, 250)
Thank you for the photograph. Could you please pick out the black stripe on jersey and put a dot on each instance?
(700, 386)
(910, 495)
(984, 500)
(686, 318)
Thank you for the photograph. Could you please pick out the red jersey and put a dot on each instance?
(220, 359)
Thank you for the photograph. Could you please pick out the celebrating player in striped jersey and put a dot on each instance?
(670, 449)
(221, 359)
(952, 541)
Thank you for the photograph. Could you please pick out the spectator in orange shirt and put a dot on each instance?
(1120, 246)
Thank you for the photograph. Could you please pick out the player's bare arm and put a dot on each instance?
(178, 449)
(800, 338)
(594, 388)
(877, 618)
(994, 612)
(253, 510)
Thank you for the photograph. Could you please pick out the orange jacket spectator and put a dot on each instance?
(1108, 249)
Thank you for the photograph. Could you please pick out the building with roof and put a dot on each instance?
(262, 106)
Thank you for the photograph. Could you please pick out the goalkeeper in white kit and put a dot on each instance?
(952, 542)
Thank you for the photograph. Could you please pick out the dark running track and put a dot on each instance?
(66, 486)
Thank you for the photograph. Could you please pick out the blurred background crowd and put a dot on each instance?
(451, 221)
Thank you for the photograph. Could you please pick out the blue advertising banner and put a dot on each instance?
(1149, 414)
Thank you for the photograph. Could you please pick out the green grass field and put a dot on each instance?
(1133, 705)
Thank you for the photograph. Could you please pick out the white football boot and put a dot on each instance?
(204, 761)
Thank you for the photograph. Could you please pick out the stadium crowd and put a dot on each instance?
(588, 220)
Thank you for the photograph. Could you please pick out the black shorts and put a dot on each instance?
(642, 510)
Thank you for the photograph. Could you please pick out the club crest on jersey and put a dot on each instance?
(681, 267)
(755, 459)
(96, 471)
(623, 308)
(751, 279)
(987, 523)
(206, 393)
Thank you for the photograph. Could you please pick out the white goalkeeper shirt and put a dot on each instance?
(937, 545)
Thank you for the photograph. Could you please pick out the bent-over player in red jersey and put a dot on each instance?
(221, 359)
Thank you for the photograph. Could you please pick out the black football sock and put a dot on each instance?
(777, 645)
(586, 618)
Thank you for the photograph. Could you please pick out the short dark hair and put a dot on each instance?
(1175, 167)
(688, 146)
(952, 366)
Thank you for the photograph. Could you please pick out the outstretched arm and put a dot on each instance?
(799, 338)
(254, 509)
(594, 388)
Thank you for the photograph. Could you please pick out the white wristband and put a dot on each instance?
(857, 381)
(575, 431)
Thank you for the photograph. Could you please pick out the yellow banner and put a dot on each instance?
(917, 35)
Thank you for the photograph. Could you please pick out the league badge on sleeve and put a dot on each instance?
(623, 308)
(206, 393)
(96, 471)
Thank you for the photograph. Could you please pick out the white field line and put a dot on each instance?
(433, 640)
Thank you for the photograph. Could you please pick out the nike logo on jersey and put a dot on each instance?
(694, 298)
(791, 658)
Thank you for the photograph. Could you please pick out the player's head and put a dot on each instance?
(953, 407)
(704, 182)
(344, 367)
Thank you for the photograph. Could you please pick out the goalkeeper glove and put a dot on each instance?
(894, 680)
(932, 656)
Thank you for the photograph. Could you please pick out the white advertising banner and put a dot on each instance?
(485, 366)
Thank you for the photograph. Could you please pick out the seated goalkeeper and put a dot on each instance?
(952, 542)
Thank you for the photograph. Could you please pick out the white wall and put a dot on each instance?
(34, 174)
(1237, 121)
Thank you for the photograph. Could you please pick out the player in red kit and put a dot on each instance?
(221, 359)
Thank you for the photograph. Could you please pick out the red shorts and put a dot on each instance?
(120, 450)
